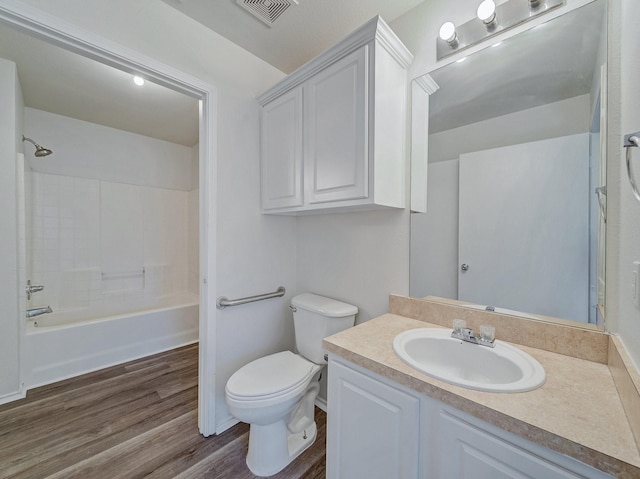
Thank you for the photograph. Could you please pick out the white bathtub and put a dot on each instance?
(62, 345)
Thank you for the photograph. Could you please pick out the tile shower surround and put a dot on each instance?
(80, 228)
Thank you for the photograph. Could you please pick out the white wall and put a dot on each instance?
(10, 131)
(358, 258)
(623, 224)
(88, 150)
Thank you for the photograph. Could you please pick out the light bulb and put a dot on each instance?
(487, 11)
(448, 32)
(138, 80)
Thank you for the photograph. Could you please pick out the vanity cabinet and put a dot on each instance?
(333, 133)
(380, 429)
(372, 427)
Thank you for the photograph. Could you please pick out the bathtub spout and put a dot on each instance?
(38, 311)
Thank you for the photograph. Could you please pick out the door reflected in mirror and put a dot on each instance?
(516, 156)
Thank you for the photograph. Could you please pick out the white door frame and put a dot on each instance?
(56, 31)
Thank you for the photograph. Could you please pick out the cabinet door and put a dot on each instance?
(372, 429)
(336, 127)
(467, 451)
(281, 157)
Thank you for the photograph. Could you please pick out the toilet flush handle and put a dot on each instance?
(293, 308)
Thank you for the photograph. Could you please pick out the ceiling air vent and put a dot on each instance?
(266, 10)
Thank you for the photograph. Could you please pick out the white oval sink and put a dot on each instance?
(501, 369)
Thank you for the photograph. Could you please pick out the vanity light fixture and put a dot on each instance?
(487, 13)
(491, 20)
(448, 34)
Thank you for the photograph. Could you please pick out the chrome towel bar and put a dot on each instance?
(122, 274)
(223, 302)
(632, 140)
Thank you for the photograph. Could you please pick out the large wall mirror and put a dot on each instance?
(516, 206)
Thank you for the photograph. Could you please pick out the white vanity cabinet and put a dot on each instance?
(333, 133)
(372, 427)
(380, 429)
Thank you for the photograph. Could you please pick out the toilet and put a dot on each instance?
(276, 394)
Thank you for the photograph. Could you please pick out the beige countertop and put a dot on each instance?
(576, 412)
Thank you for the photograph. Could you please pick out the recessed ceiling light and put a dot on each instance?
(138, 80)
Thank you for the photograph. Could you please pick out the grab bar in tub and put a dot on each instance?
(123, 274)
(223, 302)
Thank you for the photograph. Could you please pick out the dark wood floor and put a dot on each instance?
(134, 420)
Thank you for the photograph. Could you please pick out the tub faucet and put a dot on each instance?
(38, 311)
(32, 288)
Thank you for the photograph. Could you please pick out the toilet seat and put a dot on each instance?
(273, 377)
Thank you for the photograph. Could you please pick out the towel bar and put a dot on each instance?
(632, 140)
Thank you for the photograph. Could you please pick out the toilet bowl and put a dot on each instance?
(276, 394)
(270, 394)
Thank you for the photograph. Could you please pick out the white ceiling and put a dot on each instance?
(302, 32)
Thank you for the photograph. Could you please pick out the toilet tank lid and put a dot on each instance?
(322, 305)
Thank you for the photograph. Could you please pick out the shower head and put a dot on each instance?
(40, 150)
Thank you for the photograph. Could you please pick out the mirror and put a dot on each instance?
(516, 156)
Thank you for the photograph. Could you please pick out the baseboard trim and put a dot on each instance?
(227, 424)
(13, 396)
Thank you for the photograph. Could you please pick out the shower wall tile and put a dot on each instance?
(121, 235)
(165, 222)
(81, 228)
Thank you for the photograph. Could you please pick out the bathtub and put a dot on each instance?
(61, 345)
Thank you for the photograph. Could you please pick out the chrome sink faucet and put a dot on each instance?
(487, 335)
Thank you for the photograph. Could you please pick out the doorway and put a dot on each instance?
(88, 45)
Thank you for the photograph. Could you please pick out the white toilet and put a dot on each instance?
(276, 394)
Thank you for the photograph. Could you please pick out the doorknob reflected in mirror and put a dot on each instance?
(464, 267)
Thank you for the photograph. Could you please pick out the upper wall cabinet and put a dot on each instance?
(333, 133)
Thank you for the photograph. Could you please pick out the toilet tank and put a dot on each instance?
(316, 317)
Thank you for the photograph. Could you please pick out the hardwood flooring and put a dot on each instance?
(134, 420)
